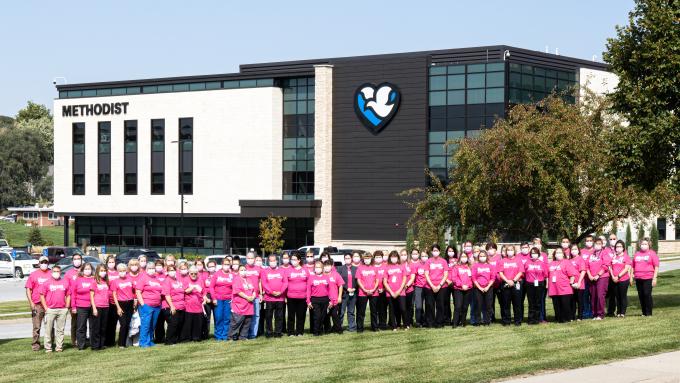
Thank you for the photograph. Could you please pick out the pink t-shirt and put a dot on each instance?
(193, 300)
(55, 292)
(599, 262)
(494, 262)
(71, 274)
(151, 289)
(368, 275)
(135, 279)
(113, 275)
(483, 273)
(336, 281)
(381, 274)
(409, 271)
(436, 267)
(101, 294)
(644, 263)
(253, 275)
(221, 285)
(35, 281)
(80, 292)
(318, 286)
(297, 283)
(535, 270)
(174, 288)
(419, 269)
(619, 262)
(395, 277)
(558, 278)
(580, 265)
(240, 305)
(274, 280)
(510, 267)
(462, 276)
(123, 288)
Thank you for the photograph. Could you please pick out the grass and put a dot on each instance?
(17, 234)
(14, 307)
(443, 355)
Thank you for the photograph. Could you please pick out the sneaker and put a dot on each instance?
(48, 350)
(58, 350)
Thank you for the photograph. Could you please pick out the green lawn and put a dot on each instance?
(14, 307)
(444, 355)
(17, 234)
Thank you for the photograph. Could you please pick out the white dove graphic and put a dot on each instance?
(381, 105)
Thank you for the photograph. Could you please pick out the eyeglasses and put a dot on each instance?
(193, 273)
(44, 262)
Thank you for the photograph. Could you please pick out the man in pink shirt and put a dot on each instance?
(55, 297)
(33, 286)
(274, 284)
(253, 274)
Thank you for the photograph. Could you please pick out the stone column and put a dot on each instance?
(323, 151)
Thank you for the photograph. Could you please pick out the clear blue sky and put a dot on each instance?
(89, 41)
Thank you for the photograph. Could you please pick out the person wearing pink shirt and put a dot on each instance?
(164, 314)
(367, 280)
(243, 297)
(33, 286)
(209, 305)
(483, 279)
(112, 317)
(535, 275)
(253, 274)
(620, 274)
(585, 252)
(220, 292)
(452, 259)
(55, 298)
(296, 295)
(381, 299)
(71, 275)
(81, 303)
(645, 267)
(173, 294)
(578, 300)
(195, 292)
(149, 291)
(318, 297)
(394, 281)
(274, 285)
(561, 281)
(494, 257)
(511, 271)
(123, 299)
(461, 279)
(285, 266)
(436, 273)
(610, 297)
(410, 273)
(347, 272)
(598, 274)
(99, 300)
(336, 288)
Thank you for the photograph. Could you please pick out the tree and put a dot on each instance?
(2, 232)
(33, 111)
(535, 172)
(271, 233)
(629, 235)
(35, 237)
(410, 240)
(644, 55)
(655, 237)
(640, 234)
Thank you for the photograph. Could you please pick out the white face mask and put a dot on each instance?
(403, 258)
(172, 273)
(102, 274)
(491, 252)
(564, 245)
(295, 262)
(367, 261)
(467, 249)
(285, 261)
(415, 257)
(378, 260)
(199, 268)
(211, 269)
(394, 259)
(142, 264)
(159, 269)
(184, 271)
(121, 274)
(309, 259)
(226, 267)
(450, 253)
(482, 258)
(272, 264)
(324, 259)
(134, 268)
(619, 250)
(574, 252)
(559, 256)
(318, 270)
(534, 255)
(423, 259)
(234, 267)
(435, 253)
(250, 261)
(87, 272)
(598, 247)
(511, 253)
(258, 263)
(612, 242)
(463, 259)
(111, 265)
(77, 263)
(170, 263)
(56, 274)
(644, 247)
(326, 269)
(356, 259)
(151, 272)
(525, 251)
(589, 244)
(43, 266)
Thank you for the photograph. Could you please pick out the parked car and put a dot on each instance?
(20, 266)
(4, 245)
(317, 249)
(69, 261)
(55, 253)
(127, 255)
(218, 258)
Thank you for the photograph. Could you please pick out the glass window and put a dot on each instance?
(157, 183)
(437, 150)
(455, 135)
(475, 68)
(265, 82)
(437, 82)
(475, 80)
(457, 123)
(494, 95)
(103, 92)
(74, 93)
(456, 69)
(437, 162)
(197, 86)
(212, 85)
(164, 88)
(456, 97)
(437, 98)
(89, 93)
(247, 83)
(437, 137)
(150, 89)
(134, 90)
(527, 69)
(130, 136)
(475, 96)
(289, 107)
(130, 183)
(495, 79)
(157, 135)
(434, 70)
(495, 67)
(180, 87)
(456, 81)
(527, 81)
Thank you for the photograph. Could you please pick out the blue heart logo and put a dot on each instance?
(376, 105)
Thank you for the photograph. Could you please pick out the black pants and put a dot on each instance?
(111, 322)
(644, 290)
(434, 307)
(611, 297)
(274, 319)
(382, 310)
(497, 292)
(175, 325)
(319, 308)
(397, 308)
(562, 307)
(333, 316)
(297, 311)
(512, 296)
(534, 295)
(621, 295)
(193, 327)
(483, 300)
(98, 328)
(205, 325)
(128, 308)
(284, 327)
(361, 312)
(449, 295)
(239, 326)
(408, 312)
(577, 303)
(159, 331)
(82, 317)
(461, 303)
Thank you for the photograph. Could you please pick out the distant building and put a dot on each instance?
(38, 215)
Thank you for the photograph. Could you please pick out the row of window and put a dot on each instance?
(467, 84)
(166, 88)
(528, 83)
(298, 138)
(185, 149)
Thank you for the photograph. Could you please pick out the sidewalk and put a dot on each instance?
(656, 368)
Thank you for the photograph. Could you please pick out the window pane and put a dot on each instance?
(230, 84)
(133, 90)
(265, 82)
(105, 92)
(494, 95)
(247, 83)
(437, 98)
(456, 81)
(456, 69)
(515, 80)
(455, 135)
(437, 150)
(289, 107)
(437, 82)
(197, 86)
(150, 89)
(495, 79)
(164, 88)
(212, 85)
(89, 93)
(437, 162)
(437, 70)
(475, 80)
(437, 137)
(495, 67)
(456, 97)
(474, 68)
(180, 87)
(475, 96)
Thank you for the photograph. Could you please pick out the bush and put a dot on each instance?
(629, 235)
(2, 232)
(640, 234)
(35, 237)
(655, 237)
(409, 240)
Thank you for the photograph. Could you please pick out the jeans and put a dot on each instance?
(349, 305)
(148, 316)
(473, 310)
(52, 316)
(418, 300)
(222, 313)
(255, 321)
(587, 309)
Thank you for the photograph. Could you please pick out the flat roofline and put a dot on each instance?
(299, 68)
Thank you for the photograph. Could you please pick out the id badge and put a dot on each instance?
(517, 286)
(536, 283)
(554, 279)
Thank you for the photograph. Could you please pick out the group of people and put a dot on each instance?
(175, 300)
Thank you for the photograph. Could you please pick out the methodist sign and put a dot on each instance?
(376, 105)
(104, 109)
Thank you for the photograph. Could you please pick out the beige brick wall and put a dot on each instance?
(323, 149)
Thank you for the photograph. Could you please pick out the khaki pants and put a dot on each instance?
(52, 315)
(37, 317)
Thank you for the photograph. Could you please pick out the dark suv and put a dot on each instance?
(127, 255)
(56, 253)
